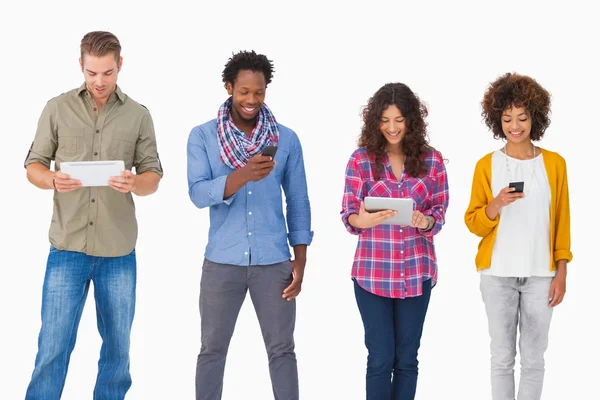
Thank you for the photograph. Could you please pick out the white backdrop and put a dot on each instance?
(329, 58)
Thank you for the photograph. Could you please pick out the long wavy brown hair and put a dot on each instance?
(414, 144)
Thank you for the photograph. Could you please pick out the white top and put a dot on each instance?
(522, 245)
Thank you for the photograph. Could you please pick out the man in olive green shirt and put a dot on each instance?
(94, 229)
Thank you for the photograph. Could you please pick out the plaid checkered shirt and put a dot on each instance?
(391, 260)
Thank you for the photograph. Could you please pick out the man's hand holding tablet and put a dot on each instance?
(63, 183)
(123, 183)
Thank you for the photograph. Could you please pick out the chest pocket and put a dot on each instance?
(120, 145)
(378, 188)
(281, 158)
(419, 191)
(275, 178)
(70, 142)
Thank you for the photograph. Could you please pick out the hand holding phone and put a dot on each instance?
(506, 196)
(259, 166)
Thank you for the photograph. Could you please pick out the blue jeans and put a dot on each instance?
(66, 284)
(521, 304)
(393, 329)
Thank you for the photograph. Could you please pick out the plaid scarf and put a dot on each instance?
(235, 147)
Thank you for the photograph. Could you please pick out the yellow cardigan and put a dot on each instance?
(481, 195)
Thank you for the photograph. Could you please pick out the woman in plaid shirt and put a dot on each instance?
(394, 266)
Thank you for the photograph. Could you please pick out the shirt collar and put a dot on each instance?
(120, 95)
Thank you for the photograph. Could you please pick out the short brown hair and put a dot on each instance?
(521, 91)
(100, 43)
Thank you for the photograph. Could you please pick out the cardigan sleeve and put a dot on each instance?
(481, 195)
(562, 243)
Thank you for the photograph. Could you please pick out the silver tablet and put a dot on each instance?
(404, 206)
(92, 173)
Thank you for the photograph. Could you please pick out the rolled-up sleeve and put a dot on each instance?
(353, 195)
(562, 243)
(294, 185)
(146, 150)
(43, 148)
(440, 199)
(204, 191)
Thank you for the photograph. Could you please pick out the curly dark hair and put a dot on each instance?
(247, 60)
(414, 143)
(521, 91)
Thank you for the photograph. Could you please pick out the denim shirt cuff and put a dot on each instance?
(217, 191)
(300, 237)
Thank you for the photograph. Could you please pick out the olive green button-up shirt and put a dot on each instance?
(98, 221)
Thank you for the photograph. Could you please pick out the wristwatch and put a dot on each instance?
(431, 223)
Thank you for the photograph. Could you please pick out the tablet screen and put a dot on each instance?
(93, 173)
(404, 207)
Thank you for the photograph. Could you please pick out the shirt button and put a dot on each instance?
(249, 212)
(401, 231)
(249, 192)
(97, 131)
(93, 200)
(249, 233)
(402, 274)
(401, 251)
(95, 153)
(246, 253)
(91, 222)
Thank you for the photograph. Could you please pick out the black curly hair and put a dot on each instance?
(247, 60)
(521, 91)
(414, 143)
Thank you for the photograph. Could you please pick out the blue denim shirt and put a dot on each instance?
(249, 228)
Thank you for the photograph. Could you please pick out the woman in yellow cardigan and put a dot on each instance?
(520, 208)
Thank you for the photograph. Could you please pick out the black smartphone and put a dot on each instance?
(269, 151)
(517, 185)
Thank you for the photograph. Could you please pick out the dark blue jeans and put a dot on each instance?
(66, 284)
(393, 329)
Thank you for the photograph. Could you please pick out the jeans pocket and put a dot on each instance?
(287, 268)
(207, 264)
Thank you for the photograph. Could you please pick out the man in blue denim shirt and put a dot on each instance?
(248, 247)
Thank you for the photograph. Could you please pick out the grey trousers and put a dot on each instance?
(222, 292)
(522, 302)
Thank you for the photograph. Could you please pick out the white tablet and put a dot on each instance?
(92, 173)
(404, 207)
